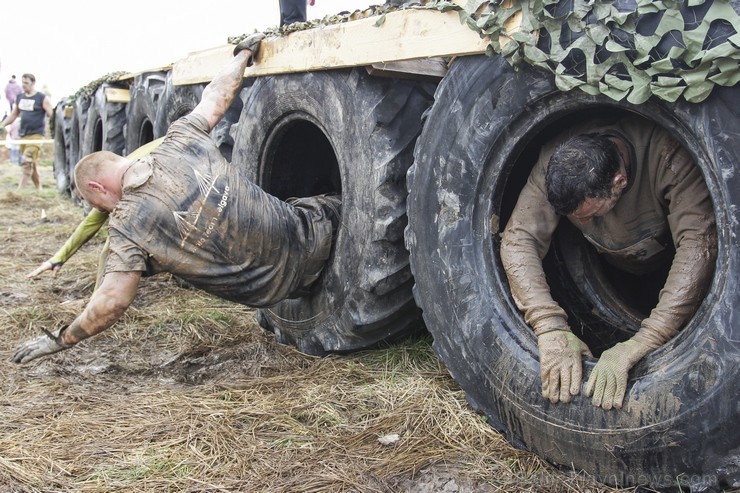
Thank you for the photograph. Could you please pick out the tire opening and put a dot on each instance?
(605, 304)
(300, 160)
(146, 133)
(97, 136)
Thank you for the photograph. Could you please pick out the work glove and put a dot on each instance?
(561, 368)
(49, 343)
(608, 381)
(251, 43)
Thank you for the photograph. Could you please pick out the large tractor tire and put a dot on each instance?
(342, 132)
(146, 95)
(62, 165)
(104, 129)
(679, 425)
(178, 101)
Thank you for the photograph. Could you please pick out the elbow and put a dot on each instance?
(112, 309)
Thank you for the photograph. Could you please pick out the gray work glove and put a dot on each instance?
(608, 381)
(251, 43)
(49, 343)
(561, 368)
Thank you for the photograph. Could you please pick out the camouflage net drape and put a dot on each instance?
(624, 49)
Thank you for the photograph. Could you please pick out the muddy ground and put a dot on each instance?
(187, 393)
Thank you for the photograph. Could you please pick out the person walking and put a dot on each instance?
(12, 90)
(33, 108)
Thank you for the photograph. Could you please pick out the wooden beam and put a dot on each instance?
(404, 35)
(431, 69)
(117, 95)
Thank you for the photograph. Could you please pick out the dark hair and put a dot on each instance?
(581, 167)
(29, 77)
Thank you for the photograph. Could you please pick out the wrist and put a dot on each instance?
(72, 334)
(633, 350)
(556, 326)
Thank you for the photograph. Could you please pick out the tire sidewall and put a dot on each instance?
(61, 163)
(111, 118)
(177, 102)
(143, 108)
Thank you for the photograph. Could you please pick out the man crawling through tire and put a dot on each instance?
(637, 196)
(183, 209)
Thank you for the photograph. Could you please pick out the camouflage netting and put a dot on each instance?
(84, 92)
(629, 49)
(89, 89)
(620, 48)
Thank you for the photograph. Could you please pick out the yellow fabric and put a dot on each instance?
(95, 219)
(145, 149)
(85, 230)
(30, 148)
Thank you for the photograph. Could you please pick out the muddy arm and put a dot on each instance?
(107, 305)
(220, 92)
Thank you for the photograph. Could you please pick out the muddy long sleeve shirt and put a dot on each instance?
(666, 205)
(194, 215)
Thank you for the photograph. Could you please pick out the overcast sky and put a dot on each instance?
(68, 43)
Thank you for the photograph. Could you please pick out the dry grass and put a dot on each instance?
(188, 394)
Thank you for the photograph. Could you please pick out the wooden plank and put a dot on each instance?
(131, 75)
(433, 69)
(405, 35)
(201, 66)
(117, 95)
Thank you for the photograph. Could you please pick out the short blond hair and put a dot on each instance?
(91, 168)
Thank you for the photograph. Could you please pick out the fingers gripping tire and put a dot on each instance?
(679, 422)
(105, 125)
(146, 94)
(340, 131)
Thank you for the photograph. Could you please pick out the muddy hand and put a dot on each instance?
(560, 364)
(47, 265)
(608, 381)
(49, 343)
(251, 43)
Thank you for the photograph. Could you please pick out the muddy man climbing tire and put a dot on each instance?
(481, 139)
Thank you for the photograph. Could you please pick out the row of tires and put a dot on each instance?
(429, 174)
(96, 120)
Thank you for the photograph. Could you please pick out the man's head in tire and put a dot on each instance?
(586, 176)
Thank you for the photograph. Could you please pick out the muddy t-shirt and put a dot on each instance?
(193, 215)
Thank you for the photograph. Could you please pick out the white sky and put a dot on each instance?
(69, 43)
